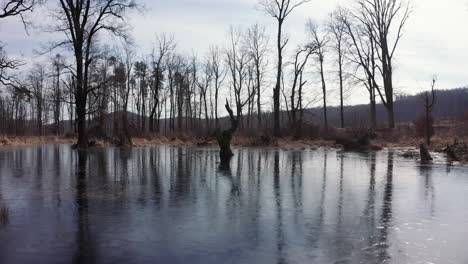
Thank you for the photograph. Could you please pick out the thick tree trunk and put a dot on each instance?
(80, 100)
(81, 120)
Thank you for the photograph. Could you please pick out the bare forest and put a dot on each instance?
(88, 89)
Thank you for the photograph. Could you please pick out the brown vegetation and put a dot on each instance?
(403, 136)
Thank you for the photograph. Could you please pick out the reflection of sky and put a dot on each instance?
(434, 41)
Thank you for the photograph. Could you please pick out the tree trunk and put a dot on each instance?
(276, 91)
(324, 90)
(81, 103)
(341, 93)
(373, 114)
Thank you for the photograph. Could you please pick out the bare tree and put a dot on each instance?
(141, 75)
(337, 29)
(429, 101)
(81, 21)
(123, 75)
(9, 8)
(385, 19)
(12, 8)
(58, 64)
(257, 43)
(37, 82)
(320, 41)
(361, 51)
(279, 10)
(237, 58)
(203, 82)
(219, 75)
(6, 65)
(164, 45)
(300, 61)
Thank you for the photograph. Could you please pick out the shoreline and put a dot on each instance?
(438, 142)
(407, 147)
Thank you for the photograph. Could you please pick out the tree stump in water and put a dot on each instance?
(224, 139)
(452, 154)
(425, 155)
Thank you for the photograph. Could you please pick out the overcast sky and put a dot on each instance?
(435, 38)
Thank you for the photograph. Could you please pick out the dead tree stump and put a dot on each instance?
(425, 155)
(224, 138)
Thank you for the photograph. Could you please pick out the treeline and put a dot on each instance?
(170, 91)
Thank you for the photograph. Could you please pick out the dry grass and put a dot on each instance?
(32, 141)
(447, 131)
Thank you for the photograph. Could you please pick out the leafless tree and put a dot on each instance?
(58, 64)
(319, 40)
(174, 65)
(238, 59)
(257, 43)
(219, 75)
(385, 19)
(122, 77)
(337, 30)
(164, 45)
(141, 75)
(6, 65)
(37, 81)
(81, 21)
(300, 61)
(361, 51)
(203, 82)
(280, 11)
(429, 101)
(10, 8)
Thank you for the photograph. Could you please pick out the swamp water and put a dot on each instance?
(175, 205)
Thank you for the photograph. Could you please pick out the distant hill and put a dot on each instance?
(449, 104)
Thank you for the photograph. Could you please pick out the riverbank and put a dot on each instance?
(405, 144)
(438, 143)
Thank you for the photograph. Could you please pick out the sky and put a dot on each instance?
(435, 40)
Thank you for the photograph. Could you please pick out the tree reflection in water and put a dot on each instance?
(178, 205)
(85, 252)
(386, 217)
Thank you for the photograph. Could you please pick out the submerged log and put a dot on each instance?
(425, 155)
